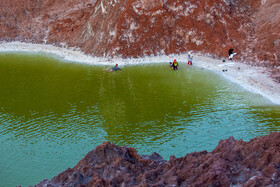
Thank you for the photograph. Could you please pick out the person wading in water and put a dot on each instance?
(175, 64)
(116, 67)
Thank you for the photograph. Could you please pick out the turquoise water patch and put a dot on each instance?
(52, 113)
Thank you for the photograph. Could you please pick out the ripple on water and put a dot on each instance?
(61, 111)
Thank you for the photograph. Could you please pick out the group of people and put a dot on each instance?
(175, 64)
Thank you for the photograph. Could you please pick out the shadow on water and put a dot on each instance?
(52, 113)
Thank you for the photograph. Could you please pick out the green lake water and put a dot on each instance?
(52, 113)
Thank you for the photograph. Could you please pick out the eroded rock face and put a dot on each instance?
(132, 28)
(267, 23)
(135, 28)
(233, 162)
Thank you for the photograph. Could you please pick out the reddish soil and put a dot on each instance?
(134, 28)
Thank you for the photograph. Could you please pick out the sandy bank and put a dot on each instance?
(254, 79)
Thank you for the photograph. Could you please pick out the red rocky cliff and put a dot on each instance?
(232, 163)
(132, 28)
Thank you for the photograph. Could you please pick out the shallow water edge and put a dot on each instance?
(254, 79)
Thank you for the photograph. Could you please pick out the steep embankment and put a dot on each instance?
(267, 42)
(267, 26)
(254, 163)
(35, 20)
(132, 28)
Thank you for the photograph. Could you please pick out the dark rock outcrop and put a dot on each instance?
(232, 162)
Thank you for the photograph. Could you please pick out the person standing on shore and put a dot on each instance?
(231, 54)
(190, 57)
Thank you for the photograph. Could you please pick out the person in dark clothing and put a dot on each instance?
(230, 51)
(175, 64)
(231, 54)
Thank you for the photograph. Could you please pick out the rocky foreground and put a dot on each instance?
(232, 162)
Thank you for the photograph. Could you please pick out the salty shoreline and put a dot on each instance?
(254, 79)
